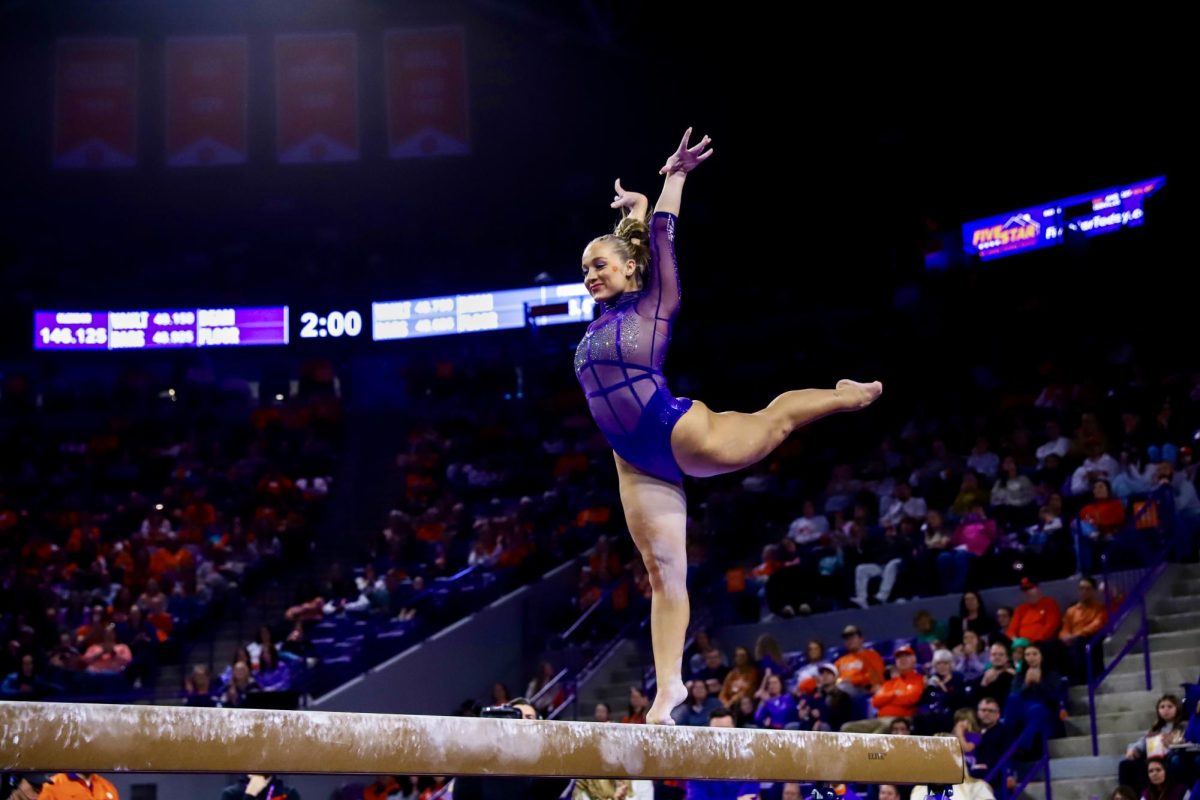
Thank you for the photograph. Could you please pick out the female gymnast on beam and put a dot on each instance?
(658, 438)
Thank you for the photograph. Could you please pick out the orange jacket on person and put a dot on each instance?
(900, 696)
(1036, 622)
(72, 786)
(863, 669)
(1081, 620)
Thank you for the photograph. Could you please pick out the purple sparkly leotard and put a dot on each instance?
(619, 363)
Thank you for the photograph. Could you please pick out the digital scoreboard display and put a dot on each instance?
(1048, 224)
(485, 311)
(152, 330)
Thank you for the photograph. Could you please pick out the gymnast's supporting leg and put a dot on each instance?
(707, 443)
(656, 513)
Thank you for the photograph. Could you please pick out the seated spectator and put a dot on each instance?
(945, 691)
(776, 709)
(825, 707)
(702, 642)
(972, 616)
(602, 713)
(1168, 729)
(1056, 444)
(72, 785)
(741, 681)
(1012, 495)
(1160, 786)
(993, 740)
(1036, 698)
(936, 540)
(698, 706)
(806, 679)
(884, 557)
(897, 697)
(27, 684)
(900, 726)
(982, 460)
(65, 656)
(639, 704)
(743, 712)
(966, 731)
(973, 539)
(1004, 618)
(860, 670)
(768, 656)
(969, 659)
(108, 656)
(929, 630)
(241, 683)
(714, 667)
(197, 688)
(971, 494)
(546, 673)
(1038, 619)
(900, 506)
(272, 675)
(1081, 622)
(1098, 466)
(997, 679)
(1038, 537)
(1098, 524)
(809, 527)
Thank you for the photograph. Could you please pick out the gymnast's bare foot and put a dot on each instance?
(667, 698)
(857, 395)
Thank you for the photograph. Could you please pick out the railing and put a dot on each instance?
(998, 776)
(1135, 600)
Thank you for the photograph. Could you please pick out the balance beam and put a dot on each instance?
(120, 738)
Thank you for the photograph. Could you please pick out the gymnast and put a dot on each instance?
(658, 438)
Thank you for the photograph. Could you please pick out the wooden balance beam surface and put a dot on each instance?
(115, 738)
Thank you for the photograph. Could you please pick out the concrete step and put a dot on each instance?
(1186, 585)
(1111, 744)
(1081, 724)
(1135, 701)
(1164, 680)
(1176, 604)
(628, 677)
(1076, 767)
(1170, 623)
(1172, 652)
(1072, 789)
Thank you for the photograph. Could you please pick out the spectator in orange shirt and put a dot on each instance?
(1038, 618)
(896, 698)
(742, 680)
(1081, 622)
(73, 786)
(859, 670)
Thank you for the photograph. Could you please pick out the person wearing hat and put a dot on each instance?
(1038, 618)
(860, 670)
(74, 786)
(22, 785)
(898, 697)
(823, 706)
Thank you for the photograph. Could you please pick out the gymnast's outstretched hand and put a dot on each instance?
(686, 159)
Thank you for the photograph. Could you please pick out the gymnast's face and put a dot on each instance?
(605, 274)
